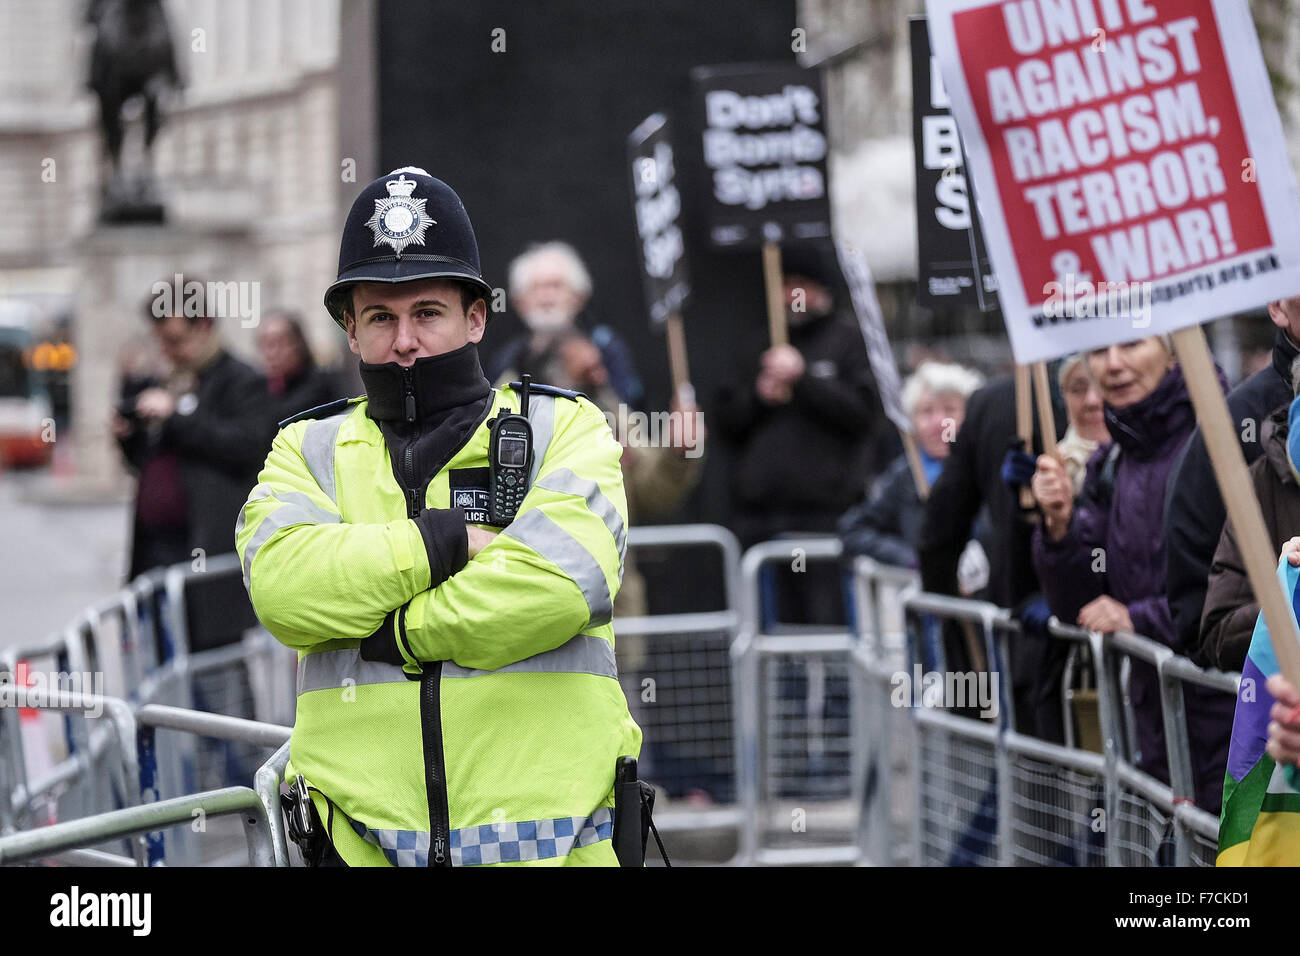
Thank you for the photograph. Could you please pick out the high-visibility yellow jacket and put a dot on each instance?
(497, 741)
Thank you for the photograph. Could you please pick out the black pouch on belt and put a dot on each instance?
(634, 803)
(629, 845)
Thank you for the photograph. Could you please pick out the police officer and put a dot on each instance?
(458, 702)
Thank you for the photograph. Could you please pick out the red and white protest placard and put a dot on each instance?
(1129, 163)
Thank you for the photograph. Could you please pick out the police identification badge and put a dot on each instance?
(468, 488)
(400, 220)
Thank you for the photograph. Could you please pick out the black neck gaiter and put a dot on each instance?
(423, 393)
(426, 413)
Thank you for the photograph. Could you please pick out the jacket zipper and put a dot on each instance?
(408, 454)
(410, 395)
(435, 769)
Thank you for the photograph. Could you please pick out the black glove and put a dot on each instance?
(381, 646)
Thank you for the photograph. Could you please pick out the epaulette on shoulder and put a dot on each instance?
(320, 411)
(537, 388)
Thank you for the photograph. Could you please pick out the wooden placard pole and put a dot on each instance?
(1239, 497)
(1046, 417)
(677, 365)
(776, 324)
(914, 460)
(1025, 425)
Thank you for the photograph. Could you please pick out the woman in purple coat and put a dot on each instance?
(1101, 560)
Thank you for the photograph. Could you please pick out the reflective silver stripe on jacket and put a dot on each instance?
(295, 508)
(566, 552)
(566, 482)
(541, 416)
(327, 670)
(259, 493)
(582, 654)
(318, 441)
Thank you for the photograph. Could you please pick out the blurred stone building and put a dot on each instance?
(249, 162)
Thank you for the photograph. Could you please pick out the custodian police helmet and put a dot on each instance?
(404, 226)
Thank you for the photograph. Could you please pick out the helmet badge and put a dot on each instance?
(400, 220)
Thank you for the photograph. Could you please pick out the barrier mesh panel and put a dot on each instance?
(958, 799)
(1057, 814)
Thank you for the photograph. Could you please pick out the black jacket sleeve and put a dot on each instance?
(446, 541)
(1194, 517)
(230, 429)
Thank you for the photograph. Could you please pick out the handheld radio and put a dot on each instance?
(510, 460)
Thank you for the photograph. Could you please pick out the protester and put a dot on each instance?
(972, 481)
(1230, 606)
(550, 289)
(886, 527)
(799, 426)
(1087, 418)
(1258, 826)
(1195, 514)
(1101, 561)
(293, 380)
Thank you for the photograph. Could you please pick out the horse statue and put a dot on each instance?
(132, 57)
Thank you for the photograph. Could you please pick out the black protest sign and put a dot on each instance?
(953, 268)
(658, 207)
(763, 134)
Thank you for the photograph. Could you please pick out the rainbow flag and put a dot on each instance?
(1260, 822)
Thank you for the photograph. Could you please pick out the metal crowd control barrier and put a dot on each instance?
(1139, 825)
(886, 767)
(267, 784)
(135, 734)
(1196, 831)
(1055, 794)
(134, 821)
(135, 646)
(777, 730)
(987, 792)
(676, 673)
(153, 717)
(89, 778)
(962, 814)
(122, 772)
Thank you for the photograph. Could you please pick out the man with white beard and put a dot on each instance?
(549, 288)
